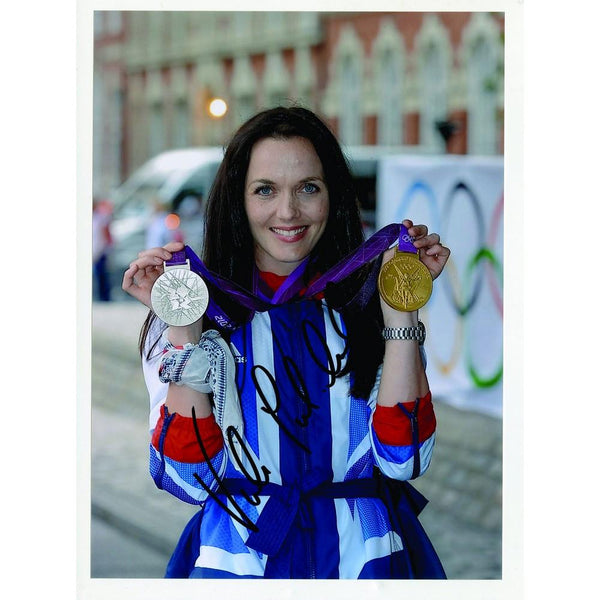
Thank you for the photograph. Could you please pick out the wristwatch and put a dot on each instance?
(405, 333)
(179, 296)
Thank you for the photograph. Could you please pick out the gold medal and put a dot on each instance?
(404, 282)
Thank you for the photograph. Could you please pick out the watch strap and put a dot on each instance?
(416, 332)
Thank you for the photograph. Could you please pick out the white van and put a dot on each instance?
(171, 178)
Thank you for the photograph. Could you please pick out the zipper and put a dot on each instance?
(414, 428)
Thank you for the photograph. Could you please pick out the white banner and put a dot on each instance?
(462, 199)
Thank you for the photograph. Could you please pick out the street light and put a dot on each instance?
(217, 107)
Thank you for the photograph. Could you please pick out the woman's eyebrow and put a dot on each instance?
(304, 179)
(260, 180)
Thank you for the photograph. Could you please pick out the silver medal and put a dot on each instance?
(179, 296)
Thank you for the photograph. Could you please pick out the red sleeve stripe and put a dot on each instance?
(392, 425)
(181, 443)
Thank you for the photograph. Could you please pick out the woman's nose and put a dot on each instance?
(288, 206)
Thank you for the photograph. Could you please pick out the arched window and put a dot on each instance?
(482, 104)
(389, 122)
(482, 55)
(156, 121)
(304, 76)
(243, 89)
(157, 128)
(350, 114)
(181, 124)
(388, 55)
(276, 80)
(434, 64)
(343, 98)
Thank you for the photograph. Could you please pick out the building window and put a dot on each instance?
(243, 89)
(350, 115)
(157, 128)
(343, 97)
(482, 100)
(434, 104)
(244, 108)
(181, 125)
(388, 89)
(434, 64)
(304, 77)
(482, 52)
(276, 80)
(113, 22)
(98, 23)
(389, 122)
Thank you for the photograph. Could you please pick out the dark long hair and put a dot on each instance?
(228, 243)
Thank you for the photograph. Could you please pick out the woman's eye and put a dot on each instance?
(263, 190)
(310, 188)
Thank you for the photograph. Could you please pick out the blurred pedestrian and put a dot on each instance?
(191, 210)
(295, 410)
(191, 206)
(163, 226)
(101, 246)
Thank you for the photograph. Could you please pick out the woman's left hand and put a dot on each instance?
(431, 252)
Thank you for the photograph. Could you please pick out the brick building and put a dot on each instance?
(432, 80)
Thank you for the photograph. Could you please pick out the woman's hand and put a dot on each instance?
(432, 254)
(146, 269)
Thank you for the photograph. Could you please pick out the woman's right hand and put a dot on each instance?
(139, 278)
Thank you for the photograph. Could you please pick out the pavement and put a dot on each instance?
(135, 526)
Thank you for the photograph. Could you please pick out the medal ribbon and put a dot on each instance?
(405, 241)
(379, 242)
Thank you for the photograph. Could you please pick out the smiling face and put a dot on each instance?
(287, 202)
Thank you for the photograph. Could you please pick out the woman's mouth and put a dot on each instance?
(290, 234)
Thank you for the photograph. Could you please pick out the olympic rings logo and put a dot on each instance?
(480, 270)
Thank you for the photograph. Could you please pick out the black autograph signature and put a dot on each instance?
(258, 476)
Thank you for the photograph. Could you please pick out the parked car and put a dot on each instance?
(179, 180)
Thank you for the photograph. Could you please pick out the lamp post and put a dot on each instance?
(211, 118)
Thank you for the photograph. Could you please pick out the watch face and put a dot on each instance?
(179, 297)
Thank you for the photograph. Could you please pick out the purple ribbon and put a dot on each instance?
(405, 241)
(178, 258)
(378, 243)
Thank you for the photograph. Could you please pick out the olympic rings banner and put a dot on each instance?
(461, 198)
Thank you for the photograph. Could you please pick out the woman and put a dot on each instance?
(293, 430)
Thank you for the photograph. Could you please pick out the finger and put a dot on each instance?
(437, 250)
(157, 251)
(147, 259)
(174, 247)
(129, 283)
(164, 252)
(417, 231)
(429, 240)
